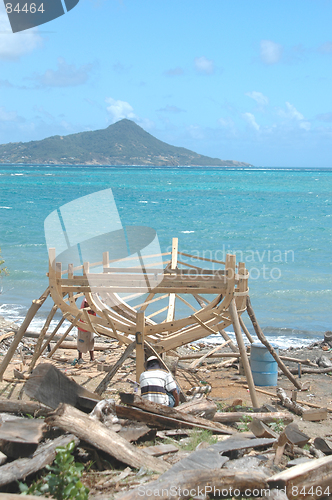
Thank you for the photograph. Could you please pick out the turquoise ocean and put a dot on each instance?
(278, 221)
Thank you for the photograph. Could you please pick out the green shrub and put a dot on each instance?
(197, 437)
(63, 480)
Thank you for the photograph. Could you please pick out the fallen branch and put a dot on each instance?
(288, 403)
(24, 407)
(92, 431)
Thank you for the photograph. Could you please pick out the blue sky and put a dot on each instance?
(245, 80)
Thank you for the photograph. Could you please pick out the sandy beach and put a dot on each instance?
(227, 385)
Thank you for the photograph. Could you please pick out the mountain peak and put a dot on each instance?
(122, 143)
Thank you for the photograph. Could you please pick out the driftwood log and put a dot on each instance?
(24, 408)
(198, 482)
(312, 370)
(23, 467)
(288, 403)
(202, 407)
(93, 432)
(166, 411)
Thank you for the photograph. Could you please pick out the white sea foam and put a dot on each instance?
(7, 208)
(187, 232)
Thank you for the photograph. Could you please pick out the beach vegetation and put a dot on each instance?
(62, 480)
(197, 437)
(243, 424)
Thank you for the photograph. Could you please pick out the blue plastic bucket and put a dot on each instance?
(263, 365)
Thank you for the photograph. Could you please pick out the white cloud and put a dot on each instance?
(260, 98)
(292, 114)
(15, 45)
(119, 109)
(270, 52)
(174, 72)
(250, 119)
(7, 116)
(204, 66)
(66, 75)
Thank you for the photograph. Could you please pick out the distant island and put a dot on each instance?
(123, 143)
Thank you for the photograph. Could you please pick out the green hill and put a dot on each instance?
(123, 143)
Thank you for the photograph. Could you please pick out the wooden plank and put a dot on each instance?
(160, 449)
(51, 387)
(309, 480)
(24, 467)
(97, 434)
(163, 422)
(261, 430)
(314, 415)
(22, 430)
(160, 410)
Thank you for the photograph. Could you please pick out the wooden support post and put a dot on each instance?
(36, 304)
(140, 356)
(41, 337)
(264, 341)
(226, 337)
(57, 328)
(237, 329)
(71, 326)
(106, 380)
